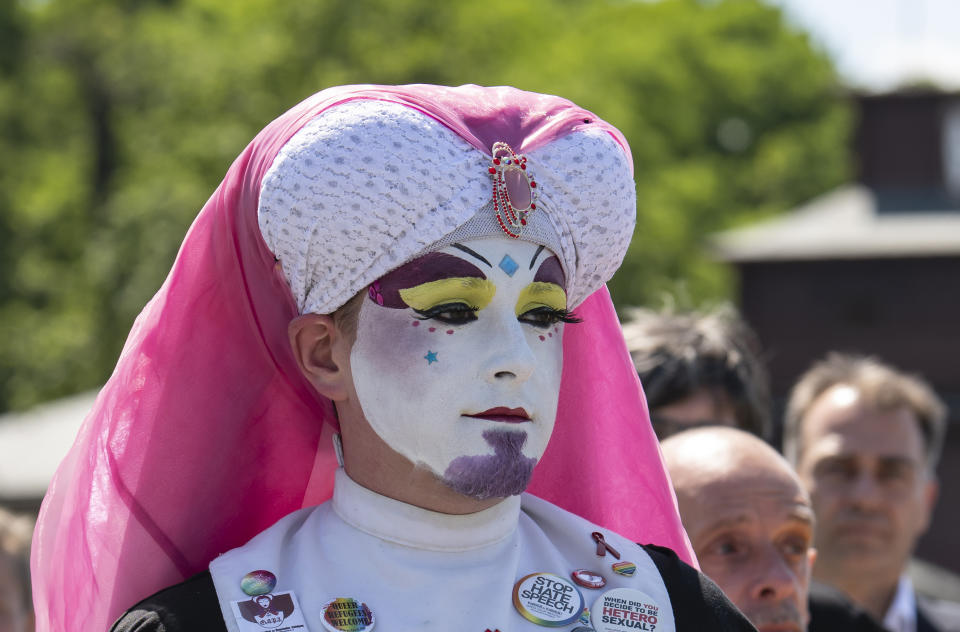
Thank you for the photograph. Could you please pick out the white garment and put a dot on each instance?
(902, 614)
(421, 570)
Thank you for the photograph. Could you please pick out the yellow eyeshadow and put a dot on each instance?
(540, 294)
(472, 291)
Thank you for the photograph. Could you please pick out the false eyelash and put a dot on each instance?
(436, 310)
(556, 316)
(567, 316)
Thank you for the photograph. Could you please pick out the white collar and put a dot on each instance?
(419, 528)
(902, 614)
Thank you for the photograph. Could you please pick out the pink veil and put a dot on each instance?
(206, 433)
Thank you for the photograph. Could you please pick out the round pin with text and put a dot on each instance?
(625, 610)
(345, 614)
(547, 599)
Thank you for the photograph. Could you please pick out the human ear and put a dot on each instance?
(322, 351)
(931, 491)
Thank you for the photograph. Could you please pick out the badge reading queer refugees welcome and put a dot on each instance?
(625, 610)
(346, 614)
(279, 612)
(547, 599)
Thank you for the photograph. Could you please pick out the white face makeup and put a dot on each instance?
(457, 361)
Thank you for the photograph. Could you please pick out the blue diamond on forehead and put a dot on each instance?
(508, 265)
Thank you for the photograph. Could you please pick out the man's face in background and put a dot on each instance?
(868, 479)
(749, 521)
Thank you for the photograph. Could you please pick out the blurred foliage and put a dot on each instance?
(118, 118)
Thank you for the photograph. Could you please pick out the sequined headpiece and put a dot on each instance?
(349, 174)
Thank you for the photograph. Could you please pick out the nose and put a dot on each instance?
(509, 356)
(774, 580)
(864, 492)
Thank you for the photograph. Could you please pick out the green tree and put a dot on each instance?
(119, 117)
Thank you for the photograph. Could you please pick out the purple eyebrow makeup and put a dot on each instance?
(430, 267)
(551, 271)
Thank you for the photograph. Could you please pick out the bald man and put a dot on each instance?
(751, 525)
(749, 520)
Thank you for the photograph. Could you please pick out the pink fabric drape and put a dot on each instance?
(206, 433)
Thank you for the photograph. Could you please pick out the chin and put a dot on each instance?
(782, 617)
(777, 625)
(506, 472)
(782, 627)
(480, 477)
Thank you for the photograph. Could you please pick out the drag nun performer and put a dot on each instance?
(327, 416)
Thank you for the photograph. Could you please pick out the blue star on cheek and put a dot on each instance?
(431, 357)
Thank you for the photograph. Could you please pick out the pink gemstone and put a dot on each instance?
(449, 331)
(518, 189)
(415, 323)
(542, 338)
(433, 329)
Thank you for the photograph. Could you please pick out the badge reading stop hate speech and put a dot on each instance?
(625, 610)
(547, 599)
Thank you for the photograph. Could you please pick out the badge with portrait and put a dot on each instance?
(279, 612)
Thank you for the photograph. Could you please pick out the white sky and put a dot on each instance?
(880, 44)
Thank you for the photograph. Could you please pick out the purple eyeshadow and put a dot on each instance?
(430, 267)
(550, 271)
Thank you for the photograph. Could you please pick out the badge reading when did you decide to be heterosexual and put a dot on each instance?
(547, 599)
(626, 610)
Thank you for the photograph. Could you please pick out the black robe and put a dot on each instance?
(831, 611)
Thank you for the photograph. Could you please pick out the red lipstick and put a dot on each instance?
(506, 415)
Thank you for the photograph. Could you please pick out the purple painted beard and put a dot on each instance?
(504, 473)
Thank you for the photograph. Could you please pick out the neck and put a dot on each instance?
(369, 461)
(872, 592)
(413, 485)
(394, 521)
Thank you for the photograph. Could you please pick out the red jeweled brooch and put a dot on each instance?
(514, 189)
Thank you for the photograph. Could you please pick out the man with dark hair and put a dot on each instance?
(699, 369)
(865, 439)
